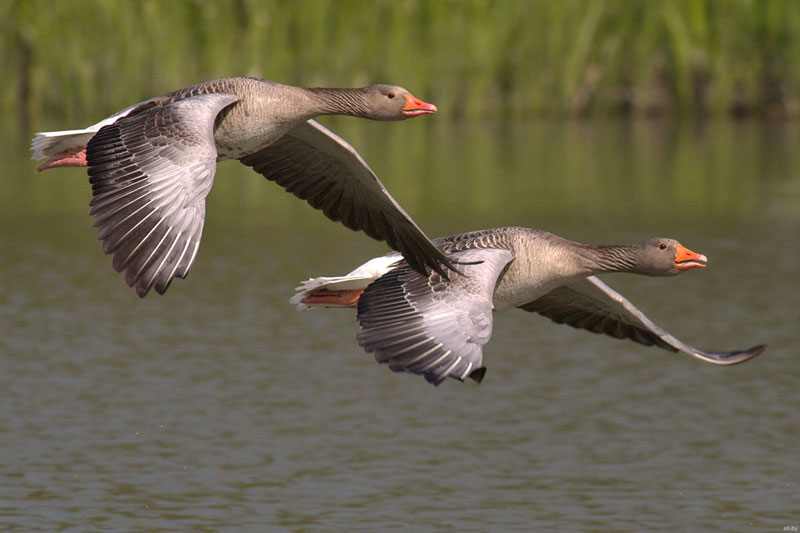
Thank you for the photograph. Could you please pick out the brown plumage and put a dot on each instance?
(152, 165)
(425, 324)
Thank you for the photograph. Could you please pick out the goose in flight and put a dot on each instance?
(152, 165)
(430, 325)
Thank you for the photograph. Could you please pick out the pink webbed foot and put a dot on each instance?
(336, 298)
(74, 157)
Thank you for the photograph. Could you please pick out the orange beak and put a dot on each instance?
(416, 107)
(686, 259)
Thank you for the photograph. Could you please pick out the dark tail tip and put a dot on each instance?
(478, 374)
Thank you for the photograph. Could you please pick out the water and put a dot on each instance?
(219, 407)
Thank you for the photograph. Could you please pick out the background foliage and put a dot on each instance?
(475, 59)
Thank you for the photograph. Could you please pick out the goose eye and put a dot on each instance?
(662, 246)
(390, 95)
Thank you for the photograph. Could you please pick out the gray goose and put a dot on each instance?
(152, 165)
(429, 325)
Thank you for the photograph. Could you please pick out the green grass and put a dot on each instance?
(81, 59)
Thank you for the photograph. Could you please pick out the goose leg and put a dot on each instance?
(73, 157)
(344, 298)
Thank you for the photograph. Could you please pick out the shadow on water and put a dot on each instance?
(219, 405)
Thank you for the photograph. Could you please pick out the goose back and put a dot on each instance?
(541, 261)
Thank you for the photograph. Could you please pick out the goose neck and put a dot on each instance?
(330, 101)
(611, 258)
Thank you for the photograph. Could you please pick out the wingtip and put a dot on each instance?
(746, 355)
(141, 292)
(734, 358)
(478, 374)
(757, 350)
(443, 267)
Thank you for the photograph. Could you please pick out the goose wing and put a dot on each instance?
(320, 167)
(150, 173)
(594, 306)
(431, 326)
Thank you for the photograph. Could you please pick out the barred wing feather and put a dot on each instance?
(431, 326)
(150, 174)
(320, 167)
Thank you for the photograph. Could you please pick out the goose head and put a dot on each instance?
(667, 257)
(392, 102)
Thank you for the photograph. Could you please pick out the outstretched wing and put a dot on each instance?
(431, 326)
(150, 174)
(594, 306)
(320, 167)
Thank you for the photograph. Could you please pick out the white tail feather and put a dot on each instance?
(360, 278)
(48, 143)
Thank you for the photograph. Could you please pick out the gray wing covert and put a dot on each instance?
(320, 167)
(150, 173)
(592, 305)
(431, 326)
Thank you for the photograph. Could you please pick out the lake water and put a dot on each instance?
(218, 407)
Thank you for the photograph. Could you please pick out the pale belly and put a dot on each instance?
(243, 132)
(511, 295)
(235, 144)
(518, 288)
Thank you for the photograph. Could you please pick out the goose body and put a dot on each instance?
(152, 165)
(429, 325)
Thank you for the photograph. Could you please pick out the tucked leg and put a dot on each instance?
(74, 157)
(348, 298)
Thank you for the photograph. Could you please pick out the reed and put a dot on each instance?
(80, 59)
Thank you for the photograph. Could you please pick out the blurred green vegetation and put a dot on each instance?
(82, 59)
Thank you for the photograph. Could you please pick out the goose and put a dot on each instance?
(152, 165)
(429, 325)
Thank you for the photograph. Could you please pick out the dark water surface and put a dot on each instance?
(219, 407)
